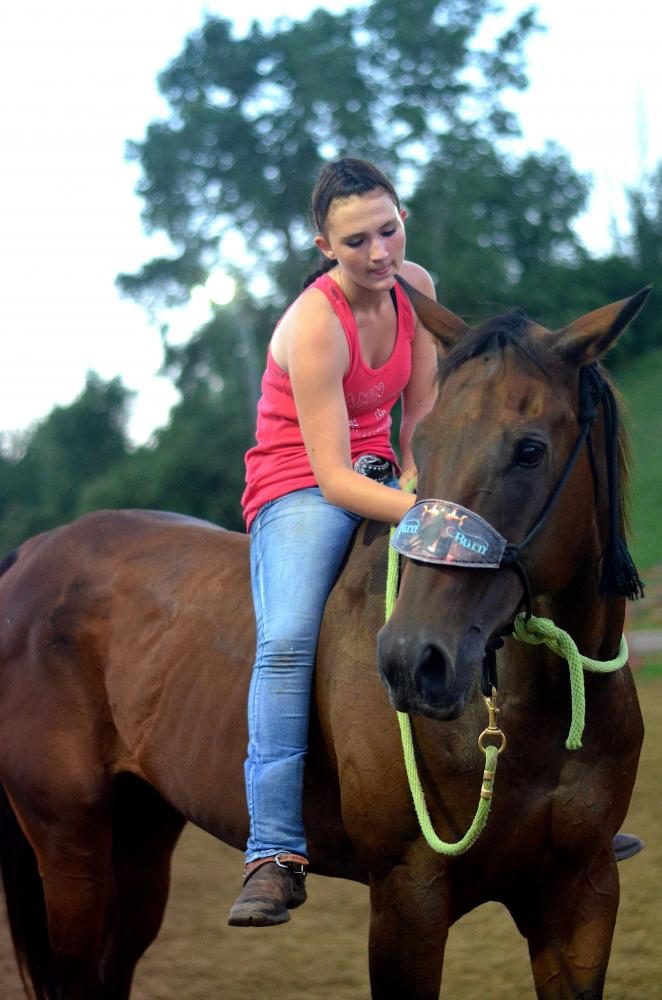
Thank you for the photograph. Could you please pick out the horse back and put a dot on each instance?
(132, 633)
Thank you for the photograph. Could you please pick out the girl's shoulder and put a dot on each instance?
(312, 305)
(310, 323)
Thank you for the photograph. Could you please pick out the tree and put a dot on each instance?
(254, 118)
(646, 255)
(195, 464)
(493, 224)
(251, 122)
(43, 479)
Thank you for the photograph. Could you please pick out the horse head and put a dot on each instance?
(506, 440)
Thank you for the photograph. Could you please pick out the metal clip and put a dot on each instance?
(492, 728)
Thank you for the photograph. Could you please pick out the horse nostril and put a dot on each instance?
(434, 671)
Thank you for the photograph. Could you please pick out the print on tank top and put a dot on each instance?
(362, 401)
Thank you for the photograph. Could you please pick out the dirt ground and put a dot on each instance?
(321, 954)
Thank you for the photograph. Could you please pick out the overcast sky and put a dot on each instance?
(78, 78)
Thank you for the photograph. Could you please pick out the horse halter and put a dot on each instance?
(447, 534)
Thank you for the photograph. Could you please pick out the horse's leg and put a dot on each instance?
(71, 838)
(569, 925)
(145, 832)
(408, 930)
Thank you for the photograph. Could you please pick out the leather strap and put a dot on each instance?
(283, 860)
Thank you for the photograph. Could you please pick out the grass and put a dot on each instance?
(649, 671)
(640, 385)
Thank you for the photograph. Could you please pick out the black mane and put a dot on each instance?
(498, 333)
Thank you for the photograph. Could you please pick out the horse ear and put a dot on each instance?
(590, 336)
(444, 324)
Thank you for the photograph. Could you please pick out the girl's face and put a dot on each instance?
(365, 234)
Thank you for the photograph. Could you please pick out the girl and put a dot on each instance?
(340, 357)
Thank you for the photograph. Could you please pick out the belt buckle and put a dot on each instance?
(374, 467)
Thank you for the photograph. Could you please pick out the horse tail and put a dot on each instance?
(26, 907)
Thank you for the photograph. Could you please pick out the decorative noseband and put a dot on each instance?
(443, 532)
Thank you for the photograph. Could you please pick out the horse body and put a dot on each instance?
(125, 655)
(548, 840)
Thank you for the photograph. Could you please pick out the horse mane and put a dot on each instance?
(508, 330)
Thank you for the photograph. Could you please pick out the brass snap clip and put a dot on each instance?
(492, 728)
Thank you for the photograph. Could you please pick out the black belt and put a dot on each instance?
(375, 467)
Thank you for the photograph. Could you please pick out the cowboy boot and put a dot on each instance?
(272, 887)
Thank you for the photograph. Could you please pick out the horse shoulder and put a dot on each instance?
(354, 723)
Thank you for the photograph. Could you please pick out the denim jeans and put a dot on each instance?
(298, 543)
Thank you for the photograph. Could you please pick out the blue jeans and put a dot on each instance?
(298, 543)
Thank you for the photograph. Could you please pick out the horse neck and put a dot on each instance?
(595, 623)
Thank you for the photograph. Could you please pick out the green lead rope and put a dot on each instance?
(537, 631)
(543, 631)
(415, 787)
(418, 796)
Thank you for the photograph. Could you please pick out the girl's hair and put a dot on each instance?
(342, 179)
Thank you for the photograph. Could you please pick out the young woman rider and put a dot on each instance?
(340, 357)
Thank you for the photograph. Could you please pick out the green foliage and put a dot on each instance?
(254, 118)
(650, 671)
(646, 209)
(185, 471)
(41, 483)
(499, 224)
(195, 466)
(640, 384)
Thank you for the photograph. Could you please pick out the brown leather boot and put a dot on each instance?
(272, 887)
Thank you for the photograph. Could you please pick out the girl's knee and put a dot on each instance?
(286, 654)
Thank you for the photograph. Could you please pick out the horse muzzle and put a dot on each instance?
(422, 676)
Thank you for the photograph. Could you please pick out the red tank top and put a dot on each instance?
(278, 464)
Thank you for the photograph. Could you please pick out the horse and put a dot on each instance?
(126, 643)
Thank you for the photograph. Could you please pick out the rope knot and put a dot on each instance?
(535, 631)
(539, 631)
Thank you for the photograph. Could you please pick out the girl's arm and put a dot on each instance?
(317, 358)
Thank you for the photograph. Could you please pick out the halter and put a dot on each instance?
(486, 548)
(593, 390)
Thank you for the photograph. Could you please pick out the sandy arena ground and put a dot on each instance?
(321, 954)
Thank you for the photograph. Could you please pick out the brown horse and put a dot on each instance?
(125, 653)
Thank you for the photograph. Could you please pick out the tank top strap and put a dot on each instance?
(338, 302)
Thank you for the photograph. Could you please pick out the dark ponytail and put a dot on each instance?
(327, 264)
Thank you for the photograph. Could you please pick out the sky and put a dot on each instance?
(78, 79)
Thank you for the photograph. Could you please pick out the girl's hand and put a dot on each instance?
(407, 479)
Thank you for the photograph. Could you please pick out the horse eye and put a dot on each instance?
(529, 453)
